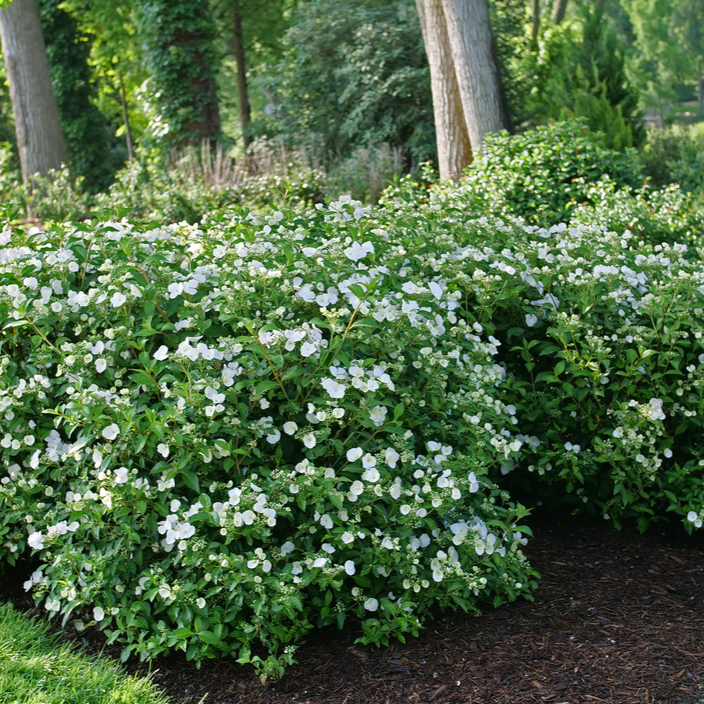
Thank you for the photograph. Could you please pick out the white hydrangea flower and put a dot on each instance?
(368, 461)
(308, 349)
(36, 541)
(121, 475)
(392, 457)
(354, 454)
(111, 431)
(357, 251)
(371, 475)
(378, 415)
(117, 299)
(334, 388)
(274, 437)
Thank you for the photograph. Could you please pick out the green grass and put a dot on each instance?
(36, 669)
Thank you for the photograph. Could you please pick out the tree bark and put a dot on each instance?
(126, 118)
(558, 11)
(454, 149)
(242, 91)
(39, 138)
(469, 30)
(535, 24)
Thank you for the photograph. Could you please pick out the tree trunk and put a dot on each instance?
(126, 118)
(469, 30)
(700, 87)
(535, 25)
(39, 138)
(506, 117)
(242, 91)
(454, 149)
(558, 11)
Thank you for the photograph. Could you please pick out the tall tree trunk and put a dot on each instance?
(535, 24)
(469, 30)
(126, 118)
(700, 87)
(506, 117)
(454, 149)
(558, 11)
(39, 137)
(242, 91)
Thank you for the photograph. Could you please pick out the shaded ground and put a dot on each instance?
(618, 618)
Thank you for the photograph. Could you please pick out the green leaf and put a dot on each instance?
(264, 386)
(190, 479)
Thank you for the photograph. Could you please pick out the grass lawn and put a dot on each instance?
(36, 669)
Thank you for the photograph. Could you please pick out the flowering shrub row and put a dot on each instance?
(603, 343)
(217, 437)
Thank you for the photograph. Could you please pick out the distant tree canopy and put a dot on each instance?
(352, 73)
(134, 78)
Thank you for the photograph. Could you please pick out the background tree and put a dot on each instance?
(86, 131)
(180, 51)
(667, 48)
(462, 54)
(598, 89)
(40, 142)
(559, 8)
(454, 148)
(352, 74)
(119, 71)
(251, 34)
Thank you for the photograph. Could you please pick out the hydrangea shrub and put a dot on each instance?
(654, 216)
(603, 342)
(218, 437)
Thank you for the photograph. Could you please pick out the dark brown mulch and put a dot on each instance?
(618, 617)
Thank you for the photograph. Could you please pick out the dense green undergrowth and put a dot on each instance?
(221, 435)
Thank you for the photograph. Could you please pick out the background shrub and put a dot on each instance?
(651, 215)
(676, 155)
(541, 174)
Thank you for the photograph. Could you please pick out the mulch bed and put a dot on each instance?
(618, 618)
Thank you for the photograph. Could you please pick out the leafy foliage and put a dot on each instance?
(649, 215)
(676, 155)
(601, 338)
